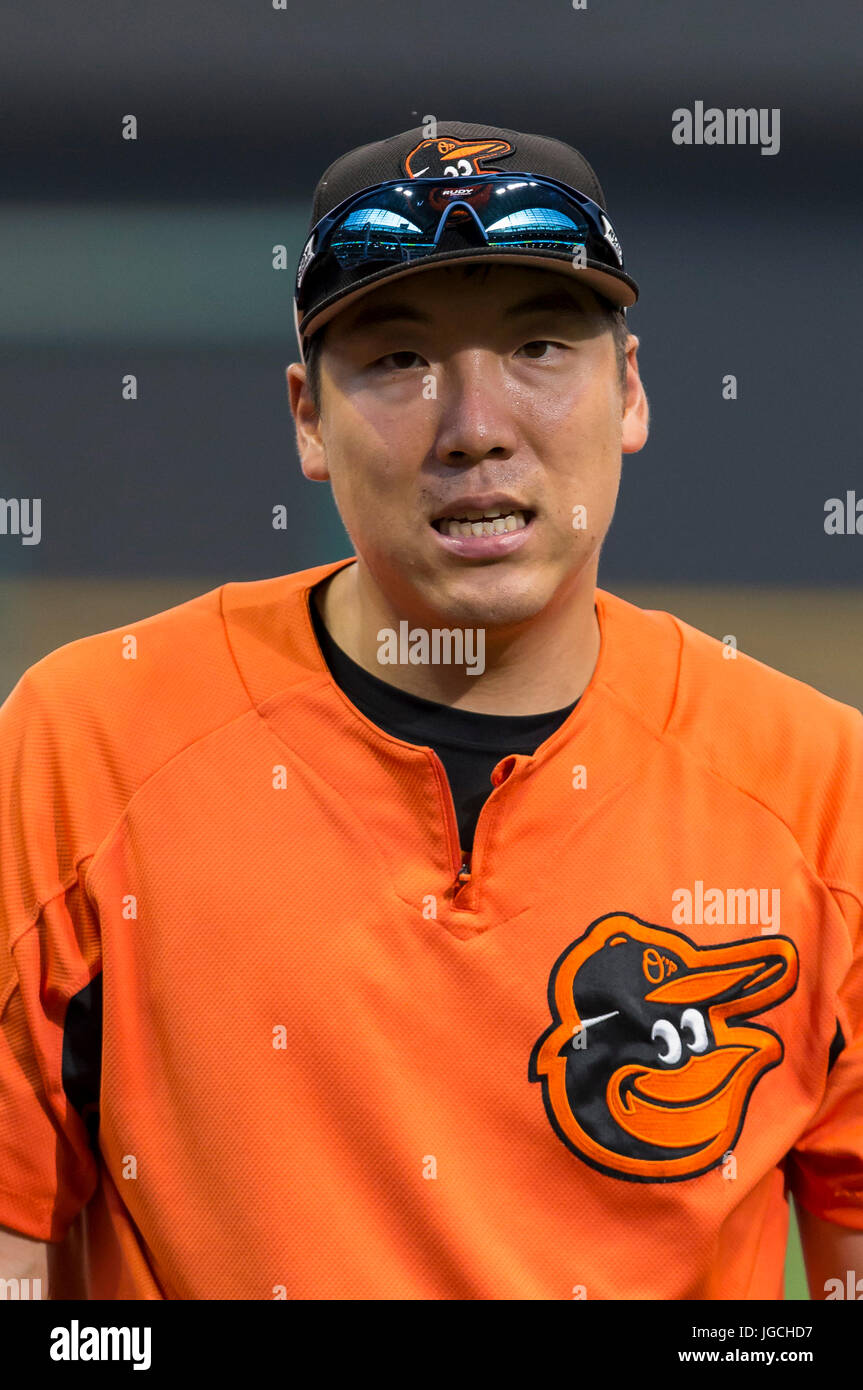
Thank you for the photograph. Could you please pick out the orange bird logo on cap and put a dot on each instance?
(651, 1061)
(449, 158)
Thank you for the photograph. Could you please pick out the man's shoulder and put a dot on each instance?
(725, 691)
(775, 738)
(137, 693)
(88, 726)
(148, 657)
(181, 656)
(717, 682)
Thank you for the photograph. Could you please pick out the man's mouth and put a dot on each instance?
(490, 523)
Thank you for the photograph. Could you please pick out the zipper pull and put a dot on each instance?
(464, 872)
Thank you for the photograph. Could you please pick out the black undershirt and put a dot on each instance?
(469, 745)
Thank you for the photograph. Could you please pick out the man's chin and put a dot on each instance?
(489, 598)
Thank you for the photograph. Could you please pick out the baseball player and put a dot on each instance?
(433, 923)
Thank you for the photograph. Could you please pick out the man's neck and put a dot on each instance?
(545, 666)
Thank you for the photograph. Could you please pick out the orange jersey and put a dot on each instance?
(595, 1065)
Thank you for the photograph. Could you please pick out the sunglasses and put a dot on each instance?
(404, 220)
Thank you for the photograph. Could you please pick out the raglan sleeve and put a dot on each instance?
(825, 1167)
(49, 951)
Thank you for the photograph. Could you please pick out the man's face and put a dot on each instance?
(448, 385)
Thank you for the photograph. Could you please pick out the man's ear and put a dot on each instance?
(636, 411)
(307, 424)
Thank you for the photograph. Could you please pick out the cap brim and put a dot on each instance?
(616, 286)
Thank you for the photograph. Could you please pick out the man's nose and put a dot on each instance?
(476, 415)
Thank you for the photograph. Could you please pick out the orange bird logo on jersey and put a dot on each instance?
(649, 1066)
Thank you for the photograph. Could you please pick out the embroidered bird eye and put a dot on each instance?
(666, 1032)
(692, 1020)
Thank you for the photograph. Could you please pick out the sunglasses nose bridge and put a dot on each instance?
(475, 223)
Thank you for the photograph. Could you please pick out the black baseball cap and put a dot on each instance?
(456, 150)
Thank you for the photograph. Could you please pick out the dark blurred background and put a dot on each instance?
(154, 257)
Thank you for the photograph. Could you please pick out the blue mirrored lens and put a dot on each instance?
(375, 233)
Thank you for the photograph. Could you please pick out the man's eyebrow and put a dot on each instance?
(392, 311)
(553, 302)
(397, 311)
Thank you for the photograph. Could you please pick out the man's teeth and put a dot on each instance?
(482, 523)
